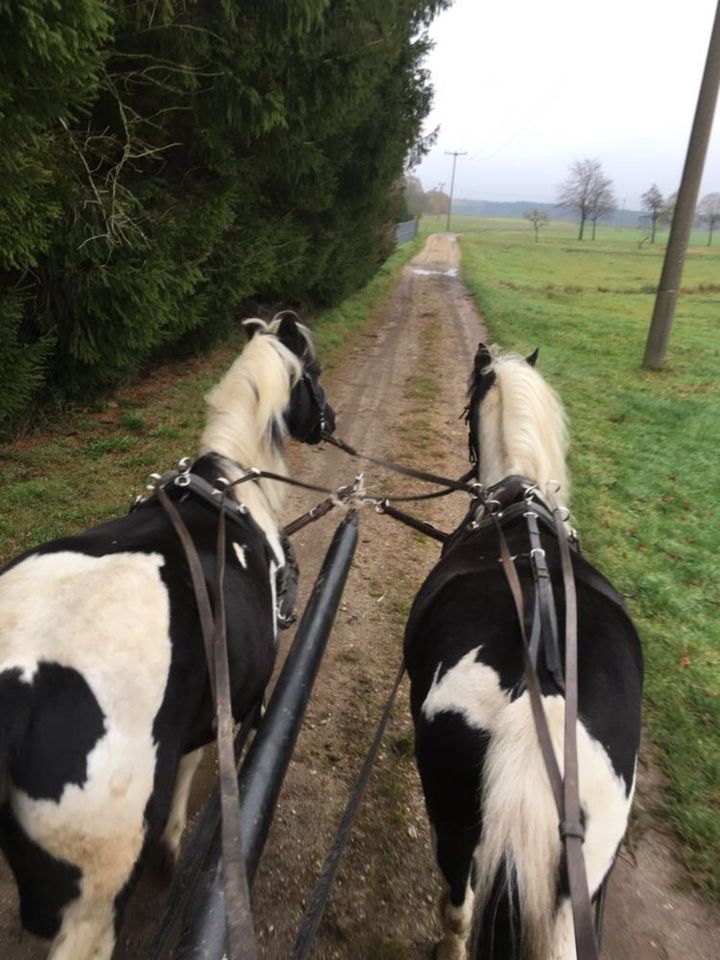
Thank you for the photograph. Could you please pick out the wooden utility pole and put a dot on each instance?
(682, 221)
(455, 154)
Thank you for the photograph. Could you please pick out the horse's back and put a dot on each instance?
(483, 774)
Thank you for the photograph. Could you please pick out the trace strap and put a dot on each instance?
(566, 791)
(238, 915)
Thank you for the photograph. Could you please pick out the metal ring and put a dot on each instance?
(183, 480)
(537, 550)
(184, 464)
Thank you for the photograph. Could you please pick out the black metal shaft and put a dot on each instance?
(262, 774)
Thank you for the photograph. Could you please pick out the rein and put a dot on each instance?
(450, 485)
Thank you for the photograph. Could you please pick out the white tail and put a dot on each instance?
(520, 825)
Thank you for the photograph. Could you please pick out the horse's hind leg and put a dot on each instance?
(449, 755)
(178, 811)
(455, 920)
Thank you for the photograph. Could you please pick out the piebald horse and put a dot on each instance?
(488, 796)
(105, 702)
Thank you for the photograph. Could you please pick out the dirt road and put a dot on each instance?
(400, 394)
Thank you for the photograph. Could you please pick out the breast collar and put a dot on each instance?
(185, 482)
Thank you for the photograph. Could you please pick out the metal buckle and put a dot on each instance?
(221, 485)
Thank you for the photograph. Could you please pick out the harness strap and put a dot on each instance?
(541, 724)
(566, 790)
(544, 615)
(571, 828)
(238, 911)
(429, 529)
(197, 575)
(314, 513)
(238, 916)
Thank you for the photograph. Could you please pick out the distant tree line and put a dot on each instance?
(163, 162)
(588, 192)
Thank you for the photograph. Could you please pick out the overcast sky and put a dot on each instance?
(526, 87)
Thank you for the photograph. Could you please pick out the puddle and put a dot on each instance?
(426, 272)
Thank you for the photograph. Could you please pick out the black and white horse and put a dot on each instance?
(488, 796)
(104, 695)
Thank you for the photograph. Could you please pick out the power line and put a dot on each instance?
(454, 154)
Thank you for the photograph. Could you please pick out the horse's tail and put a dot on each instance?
(15, 697)
(518, 858)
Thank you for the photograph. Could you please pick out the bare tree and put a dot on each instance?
(709, 212)
(652, 201)
(538, 219)
(602, 201)
(588, 191)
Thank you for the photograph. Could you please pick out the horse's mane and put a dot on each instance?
(522, 426)
(245, 409)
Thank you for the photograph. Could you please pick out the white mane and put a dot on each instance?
(245, 415)
(523, 428)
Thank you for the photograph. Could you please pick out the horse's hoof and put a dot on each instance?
(450, 949)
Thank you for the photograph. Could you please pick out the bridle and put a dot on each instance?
(309, 380)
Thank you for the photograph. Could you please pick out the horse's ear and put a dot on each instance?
(289, 334)
(482, 358)
(532, 359)
(252, 326)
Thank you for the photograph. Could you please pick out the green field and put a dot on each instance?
(644, 455)
(557, 229)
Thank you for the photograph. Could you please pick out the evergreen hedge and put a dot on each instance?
(162, 161)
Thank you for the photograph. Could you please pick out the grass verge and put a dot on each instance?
(643, 456)
(86, 466)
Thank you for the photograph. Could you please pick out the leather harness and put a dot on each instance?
(497, 506)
